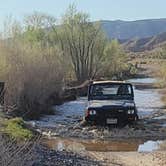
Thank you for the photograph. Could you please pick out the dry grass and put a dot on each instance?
(14, 154)
(32, 72)
(163, 145)
(158, 70)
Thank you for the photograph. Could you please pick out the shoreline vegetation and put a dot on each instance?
(39, 58)
(15, 128)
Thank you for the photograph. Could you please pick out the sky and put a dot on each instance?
(98, 9)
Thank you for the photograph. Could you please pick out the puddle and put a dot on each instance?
(149, 146)
(78, 146)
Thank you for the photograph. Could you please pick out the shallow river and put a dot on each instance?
(148, 101)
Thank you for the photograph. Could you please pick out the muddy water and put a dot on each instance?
(79, 146)
(148, 102)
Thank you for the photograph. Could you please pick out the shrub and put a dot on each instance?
(35, 71)
(16, 129)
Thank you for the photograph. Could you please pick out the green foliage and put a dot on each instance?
(82, 42)
(115, 60)
(16, 129)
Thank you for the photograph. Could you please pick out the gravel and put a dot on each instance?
(47, 157)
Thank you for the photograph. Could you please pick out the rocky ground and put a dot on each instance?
(47, 157)
(132, 158)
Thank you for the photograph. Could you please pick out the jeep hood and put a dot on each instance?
(102, 103)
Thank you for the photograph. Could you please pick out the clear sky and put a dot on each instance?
(98, 9)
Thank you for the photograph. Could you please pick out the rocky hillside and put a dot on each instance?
(145, 44)
(134, 29)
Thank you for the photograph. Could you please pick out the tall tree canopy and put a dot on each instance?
(83, 41)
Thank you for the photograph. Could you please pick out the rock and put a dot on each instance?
(93, 131)
(39, 131)
(106, 132)
(49, 157)
(83, 123)
(77, 127)
(54, 134)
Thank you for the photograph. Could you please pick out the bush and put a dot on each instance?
(115, 62)
(35, 70)
(16, 129)
(32, 80)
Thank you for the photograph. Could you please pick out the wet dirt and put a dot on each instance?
(80, 146)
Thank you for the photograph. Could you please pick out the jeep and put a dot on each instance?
(111, 103)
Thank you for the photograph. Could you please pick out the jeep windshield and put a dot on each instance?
(111, 91)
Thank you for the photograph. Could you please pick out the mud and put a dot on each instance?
(80, 146)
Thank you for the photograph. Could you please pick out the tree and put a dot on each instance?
(83, 42)
(115, 60)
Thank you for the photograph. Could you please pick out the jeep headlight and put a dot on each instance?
(92, 112)
(130, 111)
